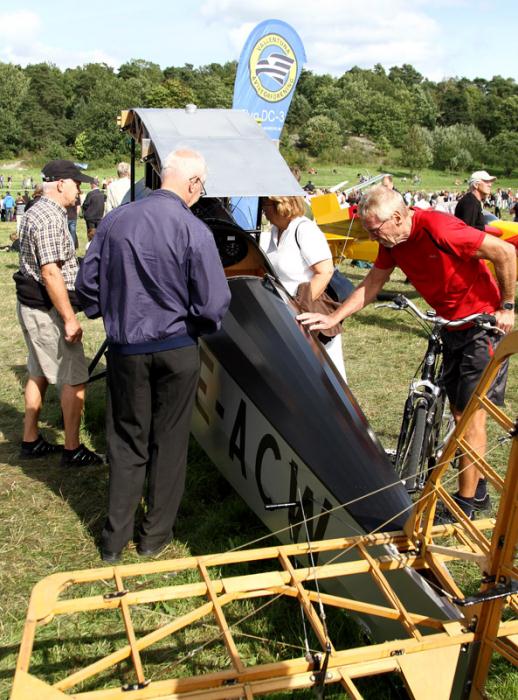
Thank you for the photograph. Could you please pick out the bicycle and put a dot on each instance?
(427, 423)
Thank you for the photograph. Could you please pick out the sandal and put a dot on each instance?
(39, 448)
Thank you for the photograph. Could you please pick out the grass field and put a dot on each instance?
(51, 519)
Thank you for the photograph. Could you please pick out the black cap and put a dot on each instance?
(63, 170)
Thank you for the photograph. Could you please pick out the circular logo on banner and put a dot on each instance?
(273, 68)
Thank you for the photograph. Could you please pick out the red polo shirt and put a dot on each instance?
(438, 260)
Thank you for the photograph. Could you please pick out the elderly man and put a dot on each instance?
(154, 274)
(117, 189)
(442, 258)
(469, 206)
(47, 314)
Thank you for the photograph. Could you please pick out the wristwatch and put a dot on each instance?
(508, 306)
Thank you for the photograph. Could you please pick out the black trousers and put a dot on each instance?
(148, 421)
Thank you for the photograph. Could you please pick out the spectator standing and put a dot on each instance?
(443, 260)
(154, 274)
(2, 210)
(469, 207)
(19, 210)
(9, 206)
(117, 189)
(1, 182)
(38, 192)
(93, 208)
(47, 315)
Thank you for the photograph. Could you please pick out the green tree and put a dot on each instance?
(406, 74)
(320, 134)
(171, 93)
(417, 149)
(458, 147)
(504, 151)
(13, 90)
(43, 110)
(142, 70)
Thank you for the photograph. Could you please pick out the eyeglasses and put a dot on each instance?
(203, 191)
(375, 231)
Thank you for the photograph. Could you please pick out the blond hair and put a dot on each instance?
(290, 207)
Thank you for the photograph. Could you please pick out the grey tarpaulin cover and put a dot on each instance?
(242, 160)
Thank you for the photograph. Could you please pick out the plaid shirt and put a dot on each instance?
(44, 238)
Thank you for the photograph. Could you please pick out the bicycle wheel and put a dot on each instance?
(412, 458)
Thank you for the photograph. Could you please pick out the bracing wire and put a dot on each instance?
(304, 522)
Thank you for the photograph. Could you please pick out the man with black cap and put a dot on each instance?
(469, 207)
(46, 312)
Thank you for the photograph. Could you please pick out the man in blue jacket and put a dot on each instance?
(9, 206)
(153, 273)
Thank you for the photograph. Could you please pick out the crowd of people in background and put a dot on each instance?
(103, 196)
(499, 202)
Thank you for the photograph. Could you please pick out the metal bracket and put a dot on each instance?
(134, 686)
(500, 590)
(115, 594)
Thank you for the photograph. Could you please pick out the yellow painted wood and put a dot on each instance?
(430, 675)
(27, 687)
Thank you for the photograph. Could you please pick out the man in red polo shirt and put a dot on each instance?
(442, 257)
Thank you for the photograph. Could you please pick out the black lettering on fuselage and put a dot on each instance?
(268, 442)
(237, 438)
(316, 527)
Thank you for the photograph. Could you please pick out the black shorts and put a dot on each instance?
(466, 355)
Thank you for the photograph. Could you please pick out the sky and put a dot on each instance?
(441, 38)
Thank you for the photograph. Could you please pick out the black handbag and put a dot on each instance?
(339, 286)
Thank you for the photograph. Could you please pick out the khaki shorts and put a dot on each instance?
(50, 356)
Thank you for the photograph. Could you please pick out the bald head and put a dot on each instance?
(184, 172)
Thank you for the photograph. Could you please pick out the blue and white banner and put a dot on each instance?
(269, 67)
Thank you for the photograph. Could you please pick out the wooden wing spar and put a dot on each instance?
(205, 589)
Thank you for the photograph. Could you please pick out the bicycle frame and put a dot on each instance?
(419, 443)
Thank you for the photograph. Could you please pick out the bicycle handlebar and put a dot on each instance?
(400, 302)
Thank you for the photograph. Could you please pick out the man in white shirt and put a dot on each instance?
(118, 188)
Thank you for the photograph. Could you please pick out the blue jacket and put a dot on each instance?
(154, 274)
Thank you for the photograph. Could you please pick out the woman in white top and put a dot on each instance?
(304, 258)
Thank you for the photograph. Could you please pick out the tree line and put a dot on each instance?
(453, 124)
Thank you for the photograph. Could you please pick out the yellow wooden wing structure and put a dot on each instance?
(429, 654)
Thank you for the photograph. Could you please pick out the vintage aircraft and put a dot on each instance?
(271, 411)
(348, 239)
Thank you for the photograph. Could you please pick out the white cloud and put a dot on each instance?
(338, 34)
(20, 33)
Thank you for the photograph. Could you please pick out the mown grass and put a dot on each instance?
(51, 519)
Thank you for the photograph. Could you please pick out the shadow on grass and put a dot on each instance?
(68, 484)
(391, 324)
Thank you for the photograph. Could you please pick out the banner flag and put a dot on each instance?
(269, 67)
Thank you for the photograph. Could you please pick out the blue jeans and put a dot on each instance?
(72, 228)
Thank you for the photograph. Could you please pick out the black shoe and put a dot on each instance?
(151, 551)
(444, 517)
(80, 457)
(482, 503)
(110, 557)
(39, 448)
